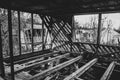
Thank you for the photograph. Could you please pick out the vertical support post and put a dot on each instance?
(2, 69)
(72, 27)
(19, 27)
(99, 27)
(51, 22)
(32, 32)
(11, 44)
(43, 32)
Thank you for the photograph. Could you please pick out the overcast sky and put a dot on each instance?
(115, 17)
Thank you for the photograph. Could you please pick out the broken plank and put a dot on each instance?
(81, 70)
(108, 72)
(56, 68)
(35, 57)
(42, 62)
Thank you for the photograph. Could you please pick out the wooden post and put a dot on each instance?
(51, 22)
(98, 35)
(32, 24)
(19, 27)
(72, 27)
(2, 71)
(43, 32)
(11, 43)
(99, 27)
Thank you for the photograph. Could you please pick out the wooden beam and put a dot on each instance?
(43, 62)
(96, 44)
(78, 78)
(66, 43)
(58, 32)
(43, 19)
(43, 46)
(108, 72)
(93, 48)
(72, 27)
(35, 57)
(99, 27)
(63, 30)
(19, 27)
(32, 24)
(78, 46)
(11, 44)
(2, 69)
(27, 55)
(101, 48)
(81, 70)
(98, 34)
(53, 69)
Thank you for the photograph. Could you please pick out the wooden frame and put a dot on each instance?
(108, 72)
(56, 68)
(81, 70)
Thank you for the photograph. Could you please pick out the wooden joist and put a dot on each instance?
(42, 62)
(108, 72)
(53, 69)
(35, 57)
(27, 55)
(81, 70)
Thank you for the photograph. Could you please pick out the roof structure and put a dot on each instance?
(62, 6)
(57, 18)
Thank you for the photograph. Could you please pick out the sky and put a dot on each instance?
(115, 17)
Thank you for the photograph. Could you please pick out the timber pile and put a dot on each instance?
(37, 65)
(62, 66)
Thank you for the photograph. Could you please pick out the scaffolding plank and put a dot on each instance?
(108, 72)
(81, 70)
(56, 68)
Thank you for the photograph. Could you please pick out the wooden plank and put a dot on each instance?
(108, 72)
(43, 62)
(35, 57)
(1, 78)
(78, 78)
(102, 49)
(53, 69)
(43, 19)
(27, 55)
(58, 32)
(81, 70)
